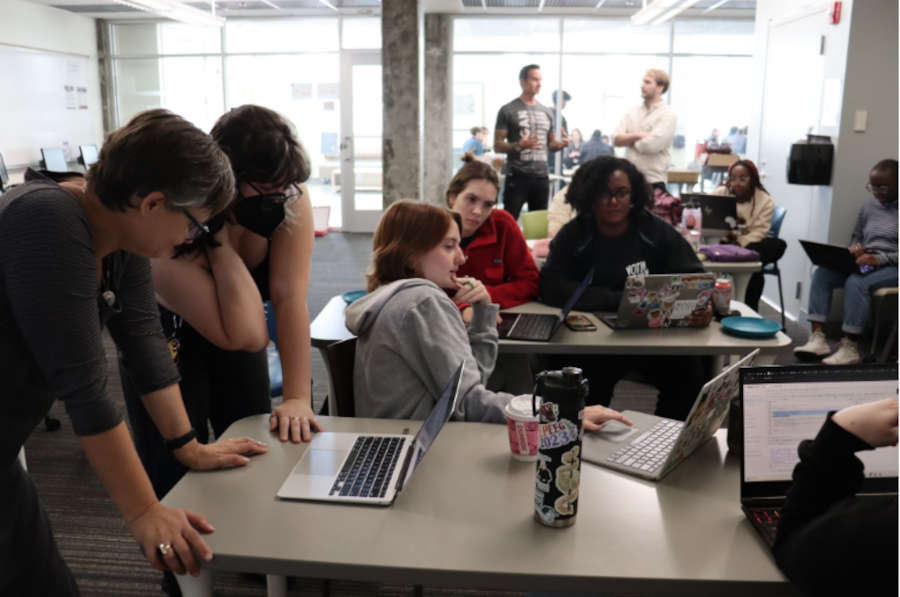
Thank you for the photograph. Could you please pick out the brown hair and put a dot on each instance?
(407, 230)
(660, 77)
(472, 170)
(161, 151)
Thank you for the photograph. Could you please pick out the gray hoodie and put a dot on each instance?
(411, 339)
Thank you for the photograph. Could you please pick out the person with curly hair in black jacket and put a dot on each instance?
(615, 234)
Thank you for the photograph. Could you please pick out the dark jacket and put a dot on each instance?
(573, 253)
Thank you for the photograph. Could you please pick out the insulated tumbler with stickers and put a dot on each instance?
(562, 395)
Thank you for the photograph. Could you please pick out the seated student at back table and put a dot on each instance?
(829, 542)
(874, 244)
(411, 336)
(614, 234)
(754, 212)
(492, 242)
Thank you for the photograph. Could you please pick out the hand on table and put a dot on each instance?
(595, 416)
(874, 422)
(170, 538)
(867, 259)
(294, 415)
(701, 318)
(225, 453)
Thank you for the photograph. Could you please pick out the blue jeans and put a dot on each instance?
(857, 295)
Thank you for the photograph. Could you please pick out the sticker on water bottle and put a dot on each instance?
(559, 433)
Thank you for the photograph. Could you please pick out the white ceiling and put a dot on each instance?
(109, 9)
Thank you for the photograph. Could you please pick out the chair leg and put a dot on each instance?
(781, 300)
(891, 340)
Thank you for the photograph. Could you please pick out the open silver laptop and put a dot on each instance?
(366, 468)
(656, 445)
(660, 300)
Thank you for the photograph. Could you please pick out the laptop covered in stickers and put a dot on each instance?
(654, 446)
(660, 300)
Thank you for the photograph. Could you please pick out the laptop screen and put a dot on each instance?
(88, 154)
(781, 406)
(432, 425)
(54, 159)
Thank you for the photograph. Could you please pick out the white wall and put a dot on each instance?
(860, 64)
(42, 27)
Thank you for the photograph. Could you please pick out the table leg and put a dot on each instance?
(196, 586)
(276, 585)
(741, 281)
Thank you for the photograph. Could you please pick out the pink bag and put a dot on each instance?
(729, 253)
(666, 206)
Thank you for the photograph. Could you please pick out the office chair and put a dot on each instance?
(534, 224)
(772, 268)
(339, 360)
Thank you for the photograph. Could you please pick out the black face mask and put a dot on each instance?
(261, 214)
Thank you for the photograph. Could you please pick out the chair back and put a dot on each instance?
(777, 220)
(339, 360)
(534, 224)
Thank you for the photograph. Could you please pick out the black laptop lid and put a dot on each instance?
(719, 211)
(833, 257)
(564, 312)
(781, 406)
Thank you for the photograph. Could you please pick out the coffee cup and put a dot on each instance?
(522, 426)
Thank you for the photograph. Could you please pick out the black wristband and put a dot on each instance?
(178, 442)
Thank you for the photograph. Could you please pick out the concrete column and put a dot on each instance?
(402, 63)
(104, 51)
(438, 140)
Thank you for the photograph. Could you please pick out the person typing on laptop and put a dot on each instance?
(411, 334)
(828, 542)
(616, 235)
(874, 244)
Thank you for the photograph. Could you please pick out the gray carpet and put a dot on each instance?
(94, 539)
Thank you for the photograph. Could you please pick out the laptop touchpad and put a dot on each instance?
(321, 463)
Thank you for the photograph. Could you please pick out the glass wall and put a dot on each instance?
(600, 62)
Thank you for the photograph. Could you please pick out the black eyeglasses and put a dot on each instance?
(620, 195)
(289, 193)
(197, 229)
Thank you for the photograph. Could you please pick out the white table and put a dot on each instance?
(465, 520)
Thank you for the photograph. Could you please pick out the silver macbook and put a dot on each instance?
(656, 445)
(366, 468)
(660, 300)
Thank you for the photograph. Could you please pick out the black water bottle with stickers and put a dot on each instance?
(562, 395)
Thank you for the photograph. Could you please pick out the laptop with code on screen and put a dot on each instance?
(782, 406)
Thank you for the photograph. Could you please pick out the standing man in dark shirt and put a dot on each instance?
(524, 131)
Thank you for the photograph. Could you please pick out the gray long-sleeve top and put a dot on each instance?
(51, 316)
(876, 230)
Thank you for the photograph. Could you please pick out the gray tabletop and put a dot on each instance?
(465, 520)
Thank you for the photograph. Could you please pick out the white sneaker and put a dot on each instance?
(847, 354)
(817, 346)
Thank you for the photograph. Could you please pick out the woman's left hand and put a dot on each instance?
(294, 417)
(701, 319)
(867, 259)
(225, 453)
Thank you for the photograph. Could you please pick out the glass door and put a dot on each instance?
(361, 128)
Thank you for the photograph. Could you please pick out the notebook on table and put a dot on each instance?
(834, 257)
(660, 300)
(719, 212)
(654, 446)
(539, 327)
(366, 468)
(780, 407)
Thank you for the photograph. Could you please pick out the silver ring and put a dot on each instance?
(165, 549)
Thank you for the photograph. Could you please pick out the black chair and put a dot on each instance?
(772, 268)
(339, 360)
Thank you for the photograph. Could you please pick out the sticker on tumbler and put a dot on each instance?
(559, 433)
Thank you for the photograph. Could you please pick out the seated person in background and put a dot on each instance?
(874, 244)
(492, 242)
(828, 542)
(614, 234)
(595, 146)
(475, 143)
(754, 212)
(411, 335)
(573, 151)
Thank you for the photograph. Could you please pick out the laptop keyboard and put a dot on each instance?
(649, 450)
(368, 468)
(533, 328)
(766, 521)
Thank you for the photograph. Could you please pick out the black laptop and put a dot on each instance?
(834, 257)
(780, 407)
(539, 327)
(719, 211)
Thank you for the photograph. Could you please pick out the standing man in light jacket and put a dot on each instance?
(647, 130)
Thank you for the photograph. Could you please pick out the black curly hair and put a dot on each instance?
(591, 181)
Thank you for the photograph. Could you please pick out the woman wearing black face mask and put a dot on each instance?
(211, 317)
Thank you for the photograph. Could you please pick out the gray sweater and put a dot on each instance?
(876, 230)
(411, 340)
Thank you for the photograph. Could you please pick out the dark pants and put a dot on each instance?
(770, 250)
(30, 562)
(521, 188)
(218, 386)
(678, 378)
